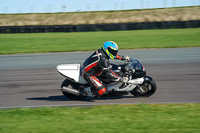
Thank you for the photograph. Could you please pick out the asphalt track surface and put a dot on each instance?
(31, 80)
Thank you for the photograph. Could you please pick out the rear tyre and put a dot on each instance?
(146, 89)
(68, 84)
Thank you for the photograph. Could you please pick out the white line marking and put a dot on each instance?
(90, 105)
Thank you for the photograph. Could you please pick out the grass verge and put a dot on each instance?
(110, 119)
(85, 41)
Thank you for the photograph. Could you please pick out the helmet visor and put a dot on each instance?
(112, 51)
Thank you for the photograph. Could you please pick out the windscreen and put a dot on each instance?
(135, 64)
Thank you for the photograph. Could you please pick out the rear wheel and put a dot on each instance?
(69, 84)
(146, 89)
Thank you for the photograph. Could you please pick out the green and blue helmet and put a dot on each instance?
(110, 49)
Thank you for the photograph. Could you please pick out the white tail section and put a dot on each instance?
(72, 71)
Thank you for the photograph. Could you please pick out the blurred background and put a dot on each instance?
(79, 12)
(53, 6)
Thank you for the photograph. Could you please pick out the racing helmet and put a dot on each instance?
(110, 49)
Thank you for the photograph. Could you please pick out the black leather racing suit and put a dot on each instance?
(94, 66)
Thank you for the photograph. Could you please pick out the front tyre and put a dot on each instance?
(146, 89)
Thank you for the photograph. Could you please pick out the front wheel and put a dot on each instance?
(146, 89)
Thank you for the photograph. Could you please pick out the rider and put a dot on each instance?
(99, 63)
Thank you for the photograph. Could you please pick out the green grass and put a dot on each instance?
(86, 41)
(142, 118)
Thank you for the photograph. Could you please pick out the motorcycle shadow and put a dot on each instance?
(49, 98)
(88, 99)
(93, 99)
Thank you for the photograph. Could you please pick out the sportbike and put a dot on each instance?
(75, 87)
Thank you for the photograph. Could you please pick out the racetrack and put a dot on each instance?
(31, 80)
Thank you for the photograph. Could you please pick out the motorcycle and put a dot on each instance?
(75, 87)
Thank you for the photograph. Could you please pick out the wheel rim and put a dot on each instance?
(143, 88)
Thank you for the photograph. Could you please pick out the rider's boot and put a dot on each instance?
(101, 91)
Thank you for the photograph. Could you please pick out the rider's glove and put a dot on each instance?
(125, 58)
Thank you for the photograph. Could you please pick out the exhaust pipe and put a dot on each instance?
(71, 91)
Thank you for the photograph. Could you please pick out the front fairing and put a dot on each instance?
(139, 69)
(133, 65)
